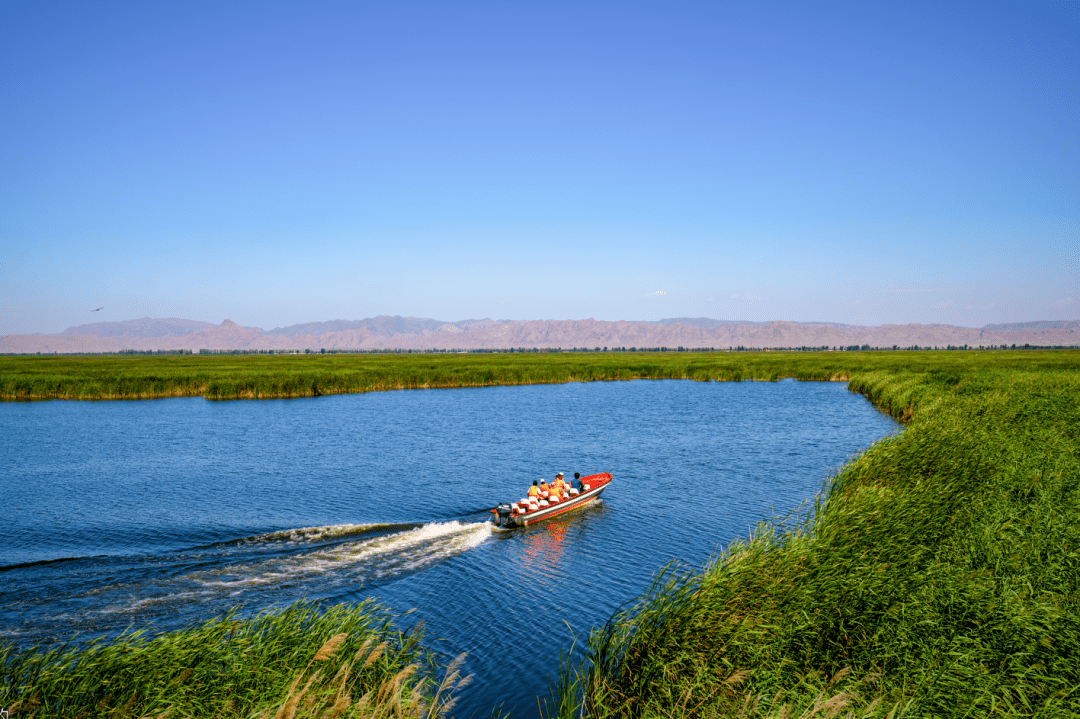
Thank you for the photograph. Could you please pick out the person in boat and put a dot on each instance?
(545, 490)
(557, 490)
(559, 485)
(534, 491)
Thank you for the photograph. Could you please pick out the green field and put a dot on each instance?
(938, 577)
(270, 376)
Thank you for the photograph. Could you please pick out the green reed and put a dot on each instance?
(302, 661)
(273, 376)
(939, 576)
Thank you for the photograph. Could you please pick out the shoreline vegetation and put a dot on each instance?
(937, 576)
(302, 661)
(223, 377)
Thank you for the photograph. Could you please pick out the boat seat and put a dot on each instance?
(573, 492)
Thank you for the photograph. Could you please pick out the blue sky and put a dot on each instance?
(275, 163)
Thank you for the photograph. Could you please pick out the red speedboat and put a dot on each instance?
(526, 512)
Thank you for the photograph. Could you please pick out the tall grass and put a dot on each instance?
(939, 577)
(303, 661)
(271, 376)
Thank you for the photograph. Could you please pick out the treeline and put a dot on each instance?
(545, 350)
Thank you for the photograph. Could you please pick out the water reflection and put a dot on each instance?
(543, 544)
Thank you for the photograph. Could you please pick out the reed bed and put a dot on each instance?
(939, 576)
(278, 376)
(299, 662)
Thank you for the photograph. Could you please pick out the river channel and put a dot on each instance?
(160, 513)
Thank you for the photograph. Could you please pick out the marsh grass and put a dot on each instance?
(276, 376)
(939, 576)
(303, 661)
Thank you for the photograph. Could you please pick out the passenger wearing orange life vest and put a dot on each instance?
(534, 492)
(559, 486)
(545, 490)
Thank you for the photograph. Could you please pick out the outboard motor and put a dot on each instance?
(502, 514)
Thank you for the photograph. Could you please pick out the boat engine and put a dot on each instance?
(502, 514)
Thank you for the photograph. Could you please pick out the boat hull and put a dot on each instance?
(597, 484)
(524, 520)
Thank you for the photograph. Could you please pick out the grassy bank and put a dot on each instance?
(345, 661)
(940, 577)
(271, 376)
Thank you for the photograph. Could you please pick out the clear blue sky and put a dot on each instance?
(273, 163)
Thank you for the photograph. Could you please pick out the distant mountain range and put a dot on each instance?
(383, 332)
(1036, 326)
(707, 323)
(381, 326)
(146, 327)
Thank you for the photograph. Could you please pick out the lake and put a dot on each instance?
(160, 513)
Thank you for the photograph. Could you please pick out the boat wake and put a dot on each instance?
(355, 562)
(253, 572)
(304, 535)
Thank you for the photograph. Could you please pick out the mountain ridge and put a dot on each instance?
(412, 333)
(142, 327)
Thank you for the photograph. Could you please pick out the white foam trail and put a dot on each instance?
(246, 576)
(150, 601)
(362, 560)
(354, 563)
(311, 534)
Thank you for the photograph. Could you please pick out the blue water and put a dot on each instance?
(167, 512)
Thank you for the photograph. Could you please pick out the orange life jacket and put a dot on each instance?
(534, 491)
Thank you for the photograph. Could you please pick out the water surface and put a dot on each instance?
(165, 512)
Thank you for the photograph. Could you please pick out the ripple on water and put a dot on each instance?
(176, 510)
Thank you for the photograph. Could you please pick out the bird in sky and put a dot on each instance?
(98, 309)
